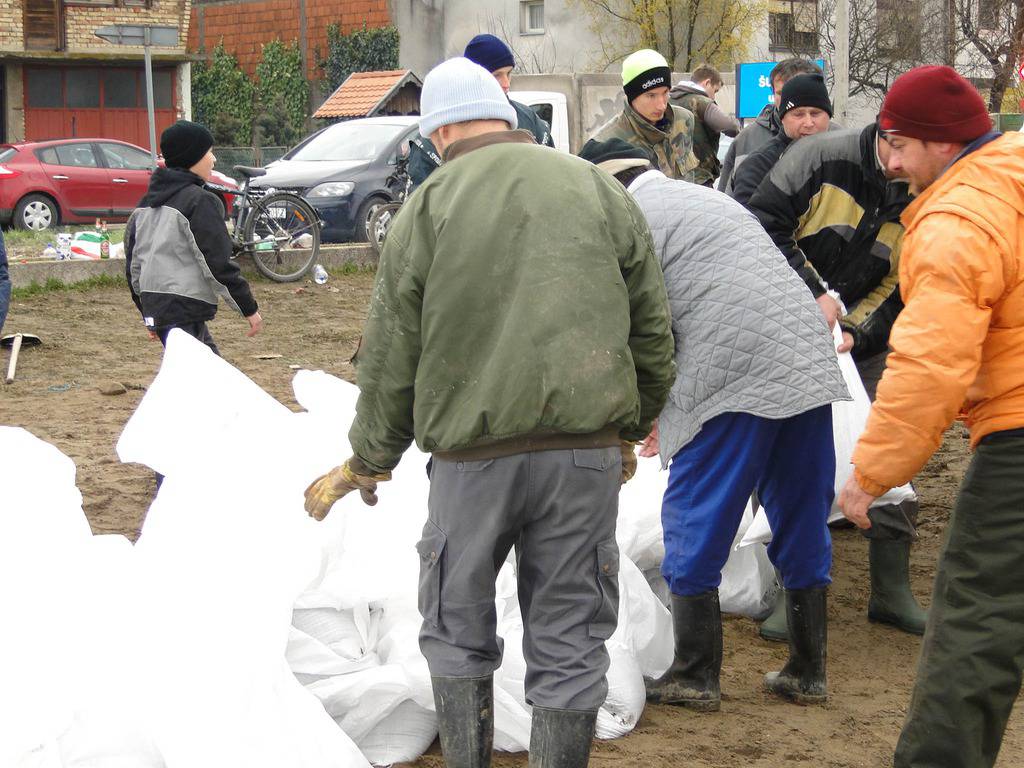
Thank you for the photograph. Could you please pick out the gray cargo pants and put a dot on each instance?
(894, 521)
(558, 509)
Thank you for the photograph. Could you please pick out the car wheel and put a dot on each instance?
(363, 217)
(36, 213)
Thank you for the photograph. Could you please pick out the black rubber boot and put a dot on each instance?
(693, 679)
(465, 719)
(803, 678)
(561, 738)
(891, 601)
(774, 628)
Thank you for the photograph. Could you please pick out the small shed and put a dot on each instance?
(373, 94)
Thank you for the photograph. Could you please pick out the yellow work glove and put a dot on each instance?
(350, 476)
(628, 460)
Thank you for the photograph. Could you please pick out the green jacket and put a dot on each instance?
(671, 140)
(518, 306)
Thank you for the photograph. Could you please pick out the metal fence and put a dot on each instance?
(228, 157)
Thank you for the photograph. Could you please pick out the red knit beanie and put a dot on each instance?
(934, 103)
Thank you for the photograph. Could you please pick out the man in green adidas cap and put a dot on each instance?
(649, 121)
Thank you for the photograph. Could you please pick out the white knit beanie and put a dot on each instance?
(458, 90)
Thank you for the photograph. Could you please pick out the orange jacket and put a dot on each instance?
(959, 341)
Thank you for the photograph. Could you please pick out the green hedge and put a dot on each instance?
(363, 50)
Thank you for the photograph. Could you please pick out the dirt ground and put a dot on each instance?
(95, 338)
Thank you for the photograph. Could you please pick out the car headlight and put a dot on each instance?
(332, 189)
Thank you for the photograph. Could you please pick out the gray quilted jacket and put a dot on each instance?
(749, 336)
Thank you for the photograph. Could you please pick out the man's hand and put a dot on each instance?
(628, 460)
(152, 335)
(325, 490)
(829, 308)
(650, 447)
(854, 501)
(847, 344)
(255, 324)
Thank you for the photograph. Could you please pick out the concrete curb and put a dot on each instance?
(24, 274)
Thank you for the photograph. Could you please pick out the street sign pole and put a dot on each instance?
(149, 100)
(146, 36)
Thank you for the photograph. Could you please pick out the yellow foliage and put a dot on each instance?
(686, 32)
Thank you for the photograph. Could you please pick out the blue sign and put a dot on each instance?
(754, 87)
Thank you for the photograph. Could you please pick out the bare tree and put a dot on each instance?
(686, 32)
(888, 37)
(535, 55)
(994, 29)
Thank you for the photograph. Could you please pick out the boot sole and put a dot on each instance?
(804, 699)
(893, 621)
(773, 638)
(697, 705)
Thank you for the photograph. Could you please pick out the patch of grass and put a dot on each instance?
(350, 268)
(53, 284)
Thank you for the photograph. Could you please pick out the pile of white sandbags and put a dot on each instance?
(237, 631)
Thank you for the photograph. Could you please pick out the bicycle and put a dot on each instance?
(280, 231)
(380, 221)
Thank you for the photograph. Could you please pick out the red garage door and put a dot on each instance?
(95, 102)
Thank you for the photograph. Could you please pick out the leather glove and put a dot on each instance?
(628, 460)
(350, 476)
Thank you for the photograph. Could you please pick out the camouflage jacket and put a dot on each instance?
(673, 147)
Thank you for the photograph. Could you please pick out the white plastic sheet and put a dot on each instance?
(849, 417)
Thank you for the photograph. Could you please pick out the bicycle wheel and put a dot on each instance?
(282, 234)
(380, 223)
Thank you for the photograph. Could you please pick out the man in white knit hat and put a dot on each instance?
(519, 331)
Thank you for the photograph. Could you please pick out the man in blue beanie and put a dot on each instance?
(5, 284)
(493, 55)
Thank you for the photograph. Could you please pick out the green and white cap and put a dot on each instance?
(644, 70)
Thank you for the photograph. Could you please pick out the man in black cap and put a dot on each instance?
(804, 110)
(177, 249)
(496, 57)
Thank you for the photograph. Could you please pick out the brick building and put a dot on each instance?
(58, 80)
(246, 25)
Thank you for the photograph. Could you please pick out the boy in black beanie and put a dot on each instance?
(177, 249)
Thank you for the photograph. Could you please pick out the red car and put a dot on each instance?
(76, 181)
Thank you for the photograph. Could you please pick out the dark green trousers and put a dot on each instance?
(969, 673)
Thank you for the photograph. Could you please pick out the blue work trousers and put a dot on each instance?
(790, 462)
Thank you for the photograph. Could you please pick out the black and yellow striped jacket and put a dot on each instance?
(829, 208)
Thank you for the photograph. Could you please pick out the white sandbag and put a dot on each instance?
(849, 418)
(749, 587)
(402, 736)
(62, 703)
(225, 551)
(638, 529)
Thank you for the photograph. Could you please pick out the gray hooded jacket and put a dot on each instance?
(749, 337)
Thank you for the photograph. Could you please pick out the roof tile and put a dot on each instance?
(360, 93)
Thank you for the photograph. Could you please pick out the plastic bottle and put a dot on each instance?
(51, 253)
(104, 241)
(319, 274)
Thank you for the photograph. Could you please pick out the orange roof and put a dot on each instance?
(363, 92)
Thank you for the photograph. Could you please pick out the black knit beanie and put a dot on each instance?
(184, 144)
(805, 91)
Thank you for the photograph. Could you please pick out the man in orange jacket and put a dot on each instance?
(957, 345)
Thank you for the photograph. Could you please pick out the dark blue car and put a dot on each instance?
(343, 171)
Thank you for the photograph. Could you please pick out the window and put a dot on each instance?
(794, 27)
(119, 90)
(988, 14)
(44, 88)
(83, 88)
(531, 18)
(898, 24)
(43, 24)
(163, 86)
(123, 157)
(76, 155)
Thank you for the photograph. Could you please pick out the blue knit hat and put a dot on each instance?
(458, 90)
(489, 52)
